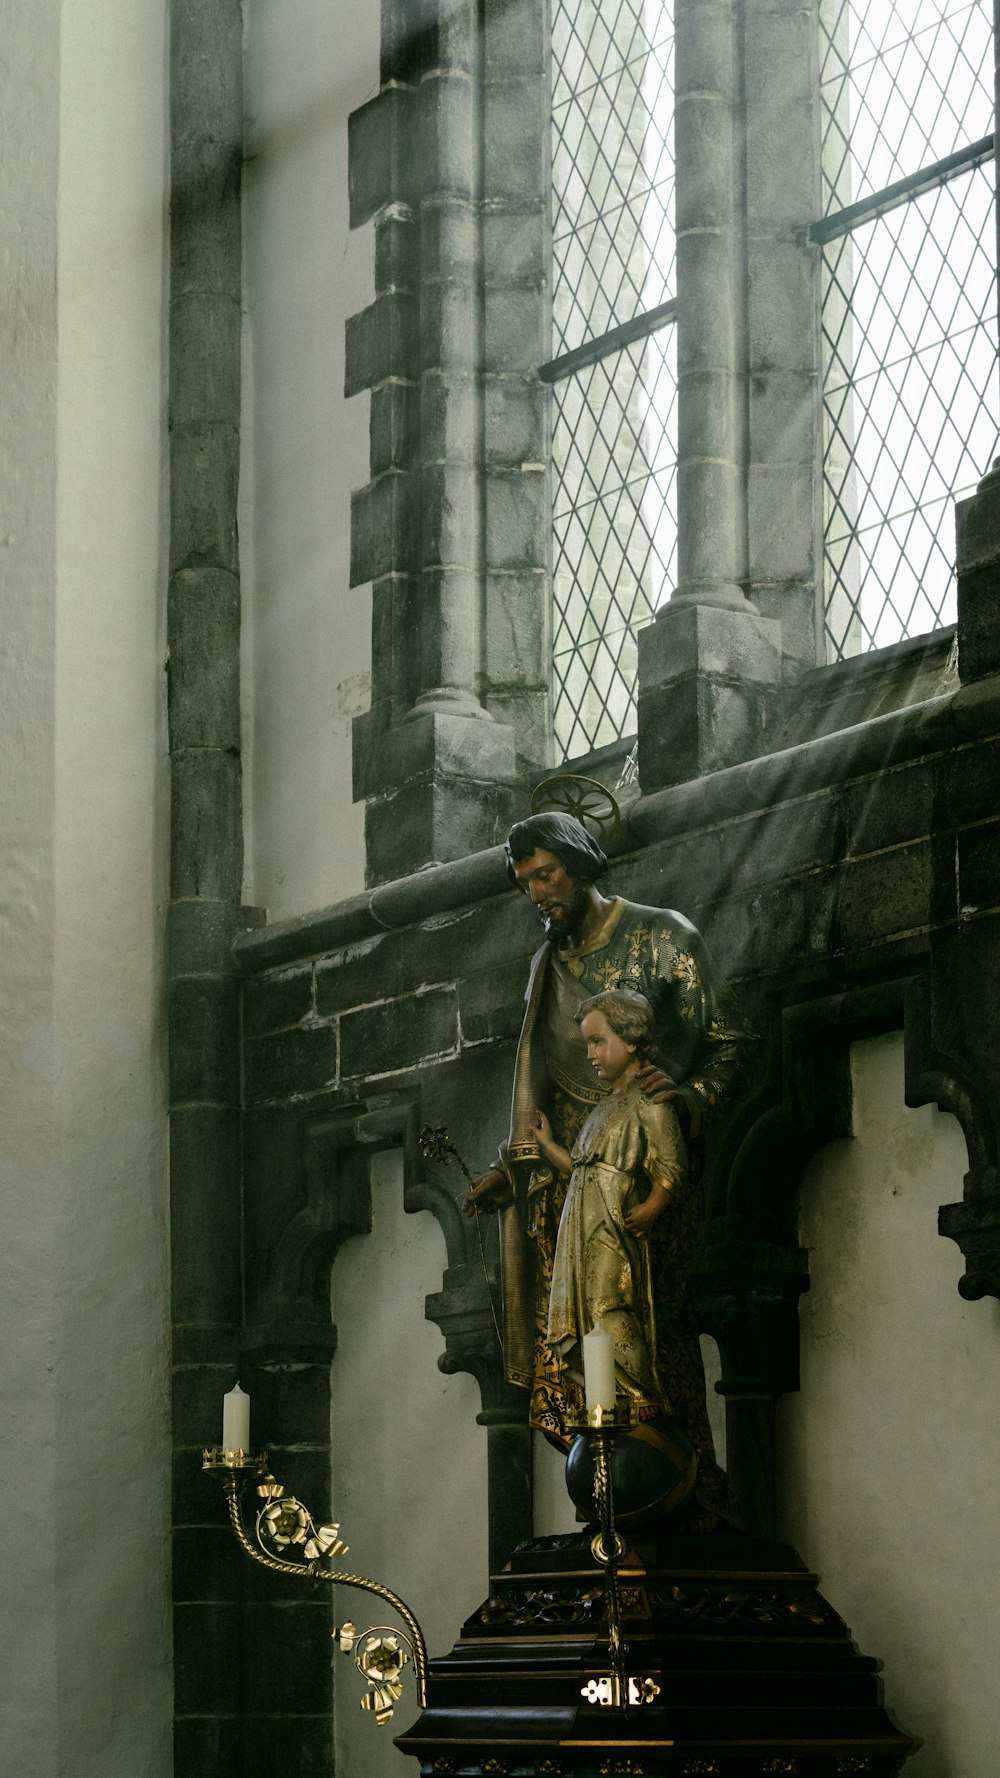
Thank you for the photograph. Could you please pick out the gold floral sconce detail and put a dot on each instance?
(284, 1528)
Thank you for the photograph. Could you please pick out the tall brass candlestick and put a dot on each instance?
(600, 1427)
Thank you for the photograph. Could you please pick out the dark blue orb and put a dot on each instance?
(653, 1472)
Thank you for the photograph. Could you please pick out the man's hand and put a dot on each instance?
(491, 1192)
(656, 1085)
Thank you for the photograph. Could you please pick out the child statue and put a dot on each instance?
(627, 1164)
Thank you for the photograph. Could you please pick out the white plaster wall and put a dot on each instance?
(409, 1461)
(889, 1457)
(83, 1266)
(29, 98)
(307, 652)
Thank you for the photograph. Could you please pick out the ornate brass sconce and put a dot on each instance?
(283, 1527)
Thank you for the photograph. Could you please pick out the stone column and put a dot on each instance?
(978, 518)
(453, 660)
(508, 1458)
(747, 1294)
(975, 1222)
(996, 133)
(203, 620)
(382, 356)
(711, 351)
(784, 443)
(517, 641)
(711, 662)
(252, 1676)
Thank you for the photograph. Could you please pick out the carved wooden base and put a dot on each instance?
(756, 1672)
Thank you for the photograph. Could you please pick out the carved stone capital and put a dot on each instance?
(975, 1225)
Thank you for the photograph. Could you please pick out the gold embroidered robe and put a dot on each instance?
(602, 1272)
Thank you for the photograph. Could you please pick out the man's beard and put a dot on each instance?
(567, 918)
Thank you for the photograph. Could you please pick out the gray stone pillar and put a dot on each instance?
(517, 642)
(509, 1472)
(974, 1223)
(456, 673)
(711, 546)
(978, 518)
(712, 661)
(203, 620)
(747, 1295)
(448, 629)
(223, 1673)
(996, 134)
(784, 545)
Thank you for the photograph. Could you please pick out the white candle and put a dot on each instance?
(236, 1420)
(599, 1369)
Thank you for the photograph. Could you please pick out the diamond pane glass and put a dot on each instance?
(615, 533)
(612, 164)
(905, 83)
(909, 331)
(614, 430)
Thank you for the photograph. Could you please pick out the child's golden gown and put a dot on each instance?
(601, 1272)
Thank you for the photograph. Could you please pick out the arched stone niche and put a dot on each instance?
(750, 1270)
(289, 1307)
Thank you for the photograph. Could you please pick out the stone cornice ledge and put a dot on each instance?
(970, 713)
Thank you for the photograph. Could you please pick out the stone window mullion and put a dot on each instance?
(712, 661)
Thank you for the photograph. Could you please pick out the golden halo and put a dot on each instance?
(585, 798)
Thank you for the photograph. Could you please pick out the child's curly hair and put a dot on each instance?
(630, 1016)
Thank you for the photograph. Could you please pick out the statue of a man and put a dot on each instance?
(592, 943)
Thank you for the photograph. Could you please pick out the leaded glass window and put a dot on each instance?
(612, 371)
(908, 305)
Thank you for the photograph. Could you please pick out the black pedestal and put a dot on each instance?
(757, 1673)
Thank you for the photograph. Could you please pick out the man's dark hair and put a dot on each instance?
(562, 835)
